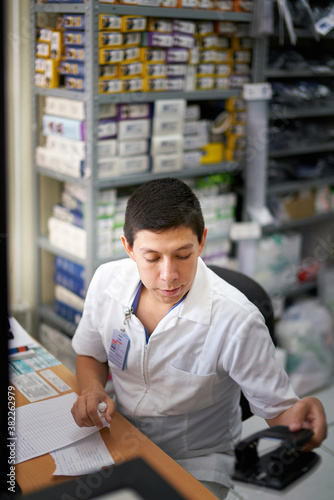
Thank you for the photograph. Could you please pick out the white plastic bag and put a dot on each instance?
(306, 332)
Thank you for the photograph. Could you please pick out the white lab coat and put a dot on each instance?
(181, 388)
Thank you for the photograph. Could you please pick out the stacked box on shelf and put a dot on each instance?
(236, 134)
(119, 218)
(218, 210)
(134, 131)
(167, 135)
(72, 65)
(119, 42)
(63, 126)
(69, 290)
(157, 54)
(218, 207)
(192, 128)
(49, 47)
(67, 223)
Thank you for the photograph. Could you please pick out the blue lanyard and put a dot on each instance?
(136, 300)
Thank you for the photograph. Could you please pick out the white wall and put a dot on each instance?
(21, 256)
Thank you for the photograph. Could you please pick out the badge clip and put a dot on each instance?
(127, 315)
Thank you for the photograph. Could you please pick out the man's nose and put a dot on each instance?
(168, 271)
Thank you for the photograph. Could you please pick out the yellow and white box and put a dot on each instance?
(155, 84)
(111, 56)
(131, 54)
(110, 86)
(134, 23)
(110, 22)
(109, 39)
(152, 55)
(133, 85)
(43, 49)
(152, 70)
(131, 69)
(51, 74)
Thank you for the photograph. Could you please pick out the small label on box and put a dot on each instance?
(245, 231)
(257, 91)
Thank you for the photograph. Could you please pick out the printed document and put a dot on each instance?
(47, 426)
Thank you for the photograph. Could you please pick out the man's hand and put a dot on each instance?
(307, 413)
(85, 412)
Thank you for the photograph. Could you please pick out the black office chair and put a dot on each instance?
(259, 297)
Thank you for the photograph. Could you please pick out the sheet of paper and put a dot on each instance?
(47, 426)
(55, 380)
(21, 337)
(83, 457)
(33, 387)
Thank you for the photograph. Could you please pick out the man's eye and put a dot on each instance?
(152, 260)
(184, 257)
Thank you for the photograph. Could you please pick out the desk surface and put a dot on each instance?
(124, 442)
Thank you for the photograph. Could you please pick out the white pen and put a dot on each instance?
(101, 408)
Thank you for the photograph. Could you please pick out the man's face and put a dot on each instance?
(166, 261)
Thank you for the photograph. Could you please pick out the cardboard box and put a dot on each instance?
(133, 148)
(134, 129)
(167, 126)
(133, 111)
(166, 145)
(167, 163)
(134, 164)
(299, 205)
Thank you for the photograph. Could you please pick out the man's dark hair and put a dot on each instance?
(163, 204)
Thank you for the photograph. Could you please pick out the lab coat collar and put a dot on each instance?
(126, 282)
(196, 307)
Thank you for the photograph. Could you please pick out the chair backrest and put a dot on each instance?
(260, 298)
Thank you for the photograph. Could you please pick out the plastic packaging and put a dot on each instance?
(306, 332)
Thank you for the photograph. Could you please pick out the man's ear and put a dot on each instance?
(201, 245)
(127, 247)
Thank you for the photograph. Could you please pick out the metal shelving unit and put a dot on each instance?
(289, 187)
(303, 150)
(92, 100)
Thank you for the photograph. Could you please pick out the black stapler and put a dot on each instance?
(278, 468)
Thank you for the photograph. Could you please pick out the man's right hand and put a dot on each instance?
(84, 410)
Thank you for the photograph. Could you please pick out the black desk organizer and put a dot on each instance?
(278, 468)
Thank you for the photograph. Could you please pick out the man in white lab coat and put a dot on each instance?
(180, 342)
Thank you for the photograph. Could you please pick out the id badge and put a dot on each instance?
(119, 348)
